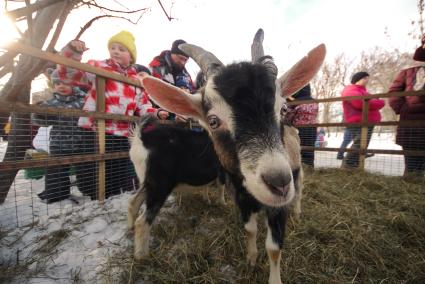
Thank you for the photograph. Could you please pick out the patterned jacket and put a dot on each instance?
(120, 98)
(162, 68)
(303, 114)
(65, 136)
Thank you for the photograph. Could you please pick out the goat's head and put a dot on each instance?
(240, 106)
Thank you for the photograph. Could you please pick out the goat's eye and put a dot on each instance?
(283, 110)
(213, 121)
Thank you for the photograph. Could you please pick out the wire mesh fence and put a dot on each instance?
(327, 154)
(45, 189)
(61, 167)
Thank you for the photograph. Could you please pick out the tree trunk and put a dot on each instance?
(18, 88)
(19, 141)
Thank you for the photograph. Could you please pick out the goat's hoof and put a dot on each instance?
(252, 258)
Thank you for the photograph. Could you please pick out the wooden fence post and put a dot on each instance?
(100, 107)
(363, 134)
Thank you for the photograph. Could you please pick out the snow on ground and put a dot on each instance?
(93, 232)
(385, 164)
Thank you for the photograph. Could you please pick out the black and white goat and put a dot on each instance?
(241, 108)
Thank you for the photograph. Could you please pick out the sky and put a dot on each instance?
(226, 28)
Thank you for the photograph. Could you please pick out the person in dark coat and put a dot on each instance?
(411, 108)
(304, 114)
(65, 138)
(169, 66)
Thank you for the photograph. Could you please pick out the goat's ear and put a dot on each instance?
(171, 98)
(302, 72)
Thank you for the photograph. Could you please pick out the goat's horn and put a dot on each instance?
(205, 59)
(257, 53)
(257, 50)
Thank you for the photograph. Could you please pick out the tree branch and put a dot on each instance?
(67, 7)
(6, 69)
(20, 13)
(165, 12)
(89, 23)
(29, 22)
(94, 4)
(7, 57)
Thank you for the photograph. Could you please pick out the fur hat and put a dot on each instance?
(358, 76)
(127, 39)
(175, 47)
(68, 76)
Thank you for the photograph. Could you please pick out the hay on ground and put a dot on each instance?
(355, 228)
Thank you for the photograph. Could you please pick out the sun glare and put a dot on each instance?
(8, 32)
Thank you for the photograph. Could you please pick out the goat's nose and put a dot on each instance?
(277, 183)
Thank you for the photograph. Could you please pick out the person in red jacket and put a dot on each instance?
(411, 108)
(353, 114)
(120, 98)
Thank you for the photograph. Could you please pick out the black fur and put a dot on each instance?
(250, 91)
(179, 155)
(176, 155)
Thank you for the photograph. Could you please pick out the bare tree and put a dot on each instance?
(24, 69)
(328, 84)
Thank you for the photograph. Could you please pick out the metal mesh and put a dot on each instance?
(60, 183)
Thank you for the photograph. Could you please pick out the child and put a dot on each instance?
(64, 138)
(120, 98)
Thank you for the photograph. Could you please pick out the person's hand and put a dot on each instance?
(163, 114)
(78, 45)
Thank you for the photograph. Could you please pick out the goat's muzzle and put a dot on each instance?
(278, 184)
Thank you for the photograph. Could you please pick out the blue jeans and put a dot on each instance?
(352, 158)
(348, 137)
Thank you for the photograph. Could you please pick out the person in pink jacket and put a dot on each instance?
(353, 110)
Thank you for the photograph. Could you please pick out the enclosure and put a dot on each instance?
(364, 225)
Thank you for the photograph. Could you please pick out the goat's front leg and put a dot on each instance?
(141, 237)
(251, 244)
(155, 198)
(134, 203)
(249, 208)
(276, 225)
(298, 182)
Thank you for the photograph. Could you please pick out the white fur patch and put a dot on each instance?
(270, 244)
(270, 161)
(219, 107)
(279, 101)
(272, 247)
(138, 153)
(251, 225)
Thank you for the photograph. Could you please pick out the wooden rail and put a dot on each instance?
(101, 116)
(55, 58)
(59, 161)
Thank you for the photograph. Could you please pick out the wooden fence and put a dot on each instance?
(101, 116)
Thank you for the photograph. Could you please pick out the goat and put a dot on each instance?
(241, 108)
(177, 155)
